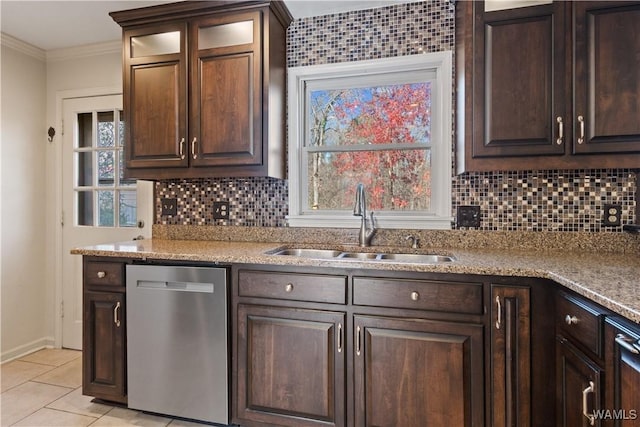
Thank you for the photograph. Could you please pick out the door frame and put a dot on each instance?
(57, 242)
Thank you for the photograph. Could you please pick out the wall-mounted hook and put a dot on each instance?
(51, 132)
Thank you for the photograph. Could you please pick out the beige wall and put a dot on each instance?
(23, 279)
(72, 72)
(29, 177)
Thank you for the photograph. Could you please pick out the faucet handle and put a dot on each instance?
(415, 241)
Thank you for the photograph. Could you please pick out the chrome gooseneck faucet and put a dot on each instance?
(360, 209)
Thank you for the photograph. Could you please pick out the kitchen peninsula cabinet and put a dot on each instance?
(103, 332)
(622, 355)
(204, 89)
(550, 86)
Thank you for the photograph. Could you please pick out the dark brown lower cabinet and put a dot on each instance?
(622, 356)
(104, 349)
(416, 373)
(291, 367)
(510, 356)
(578, 386)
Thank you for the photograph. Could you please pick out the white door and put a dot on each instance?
(99, 206)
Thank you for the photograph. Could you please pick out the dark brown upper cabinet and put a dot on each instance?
(551, 86)
(204, 86)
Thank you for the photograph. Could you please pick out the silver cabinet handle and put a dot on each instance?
(182, 149)
(289, 287)
(102, 274)
(626, 343)
(560, 130)
(193, 148)
(415, 296)
(581, 137)
(358, 344)
(116, 317)
(499, 315)
(339, 337)
(585, 411)
(571, 320)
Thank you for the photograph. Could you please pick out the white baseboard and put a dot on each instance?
(23, 350)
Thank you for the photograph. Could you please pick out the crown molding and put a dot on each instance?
(84, 51)
(23, 47)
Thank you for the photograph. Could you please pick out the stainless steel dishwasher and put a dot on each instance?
(177, 357)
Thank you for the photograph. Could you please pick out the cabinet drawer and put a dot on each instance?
(580, 321)
(418, 294)
(104, 273)
(293, 286)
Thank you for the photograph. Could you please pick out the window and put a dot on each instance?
(385, 123)
(103, 198)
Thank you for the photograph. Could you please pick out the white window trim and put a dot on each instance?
(441, 63)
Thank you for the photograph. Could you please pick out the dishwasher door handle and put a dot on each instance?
(206, 288)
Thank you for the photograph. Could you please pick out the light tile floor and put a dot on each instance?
(44, 389)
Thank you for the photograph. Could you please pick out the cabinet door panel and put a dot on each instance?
(520, 82)
(291, 366)
(155, 108)
(607, 70)
(577, 376)
(417, 373)
(510, 356)
(155, 97)
(226, 92)
(103, 346)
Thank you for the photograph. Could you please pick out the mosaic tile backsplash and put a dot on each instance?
(522, 201)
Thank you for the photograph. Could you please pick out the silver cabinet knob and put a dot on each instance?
(101, 274)
(571, 320)
(289, 287)
(415, 296)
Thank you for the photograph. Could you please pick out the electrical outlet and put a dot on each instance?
(468, 216)
(612, 215)
(169, 207)
(220, 210)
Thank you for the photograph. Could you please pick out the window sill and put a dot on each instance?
(408, 222)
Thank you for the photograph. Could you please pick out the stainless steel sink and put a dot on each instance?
(419, 258)
(366, 256)
(310, 253)
(359, 255)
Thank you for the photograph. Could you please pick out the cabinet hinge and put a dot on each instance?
(62, 219)
(62, 309)
(62, 127)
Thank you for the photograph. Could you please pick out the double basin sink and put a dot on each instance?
(364, 256)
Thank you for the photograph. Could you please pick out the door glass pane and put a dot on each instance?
(121, 131)
(233, 34)
(84, 171)
(85, 130)
(106, 129)
(84, 202)
(155, 44)
(106, 168)
(99, 173)
(105, 209)
(127, 208)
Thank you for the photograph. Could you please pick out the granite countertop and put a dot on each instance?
(610, 279)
